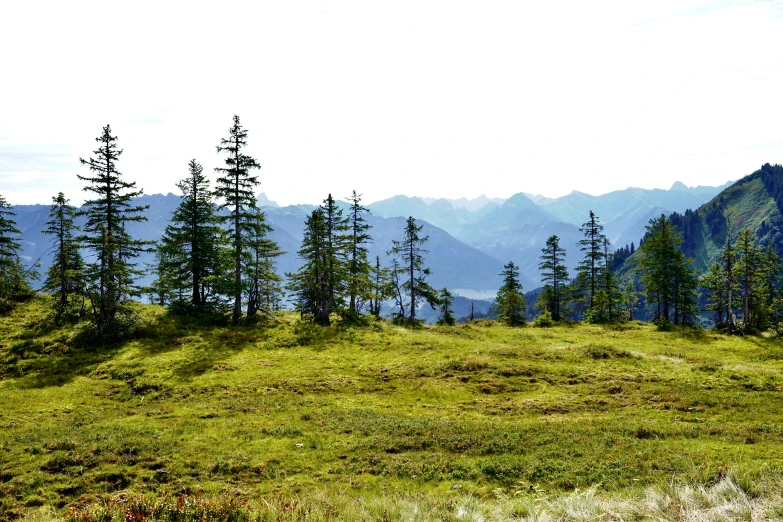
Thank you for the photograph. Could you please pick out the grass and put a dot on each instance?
(381, 422)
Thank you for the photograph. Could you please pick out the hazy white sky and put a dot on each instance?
(418, 97)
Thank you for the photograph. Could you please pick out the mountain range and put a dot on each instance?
(469, 239)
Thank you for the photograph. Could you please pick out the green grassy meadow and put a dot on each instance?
(307, 421)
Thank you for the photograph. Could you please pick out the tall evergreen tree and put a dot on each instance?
(728, 260)
(193, 241)
(510, 301)
(112, 273)
(446, 311)
(65, 277)
(589, 268)
(381, 284)
(410, 253)
(337, 273)
(359, 269)
(163, 289)
(668, 279)
(749, 264)
(263, 284)
(13, 284)
(310, 284)
(554, 274)
(236, 187)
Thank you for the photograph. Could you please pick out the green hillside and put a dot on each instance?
(429, 420)
(749, 203)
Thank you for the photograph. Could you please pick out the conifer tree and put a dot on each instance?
(65, 277)
(337, 272)
(13, 285)
(728, 259)
(667, 276)
(715, 292)
(610, 288)
(589, 268)
(396, 282)
(555, 276)
(411, 267)
(163, 290)
(193, 241)
(381, 283)
(446, 311)
(263, 284)
(112, 274)
(236, 187)
(510, 301)
(358, 267)
(748, 270)
(310, 284)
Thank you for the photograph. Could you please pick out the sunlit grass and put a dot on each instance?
(360, 415)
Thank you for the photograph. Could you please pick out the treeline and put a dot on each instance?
(215, 256)
(743, 290)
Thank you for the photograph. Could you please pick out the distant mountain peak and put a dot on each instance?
(679, 185)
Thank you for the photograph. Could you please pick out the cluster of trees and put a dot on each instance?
(337, 277)
(669, 282)
(747, 279)
(215, 255)
(14, 286)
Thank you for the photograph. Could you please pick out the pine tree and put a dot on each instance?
(358, 267)
(668, 278)
(263, 285)
(748, 267)
(310, 284)
(510, 301)
(336, 253)
(13, 284)
(193, 241)
(589, 268)
(555, 275)
(65, 277)
(162, 291)
(236, 188)
(728, 259)
(446, 311)
(410, 252)
(396, 282)
(381, 284)
(714, 291)
(111, 275)
(610, 288)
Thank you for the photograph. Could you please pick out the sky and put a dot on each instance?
(423, 98)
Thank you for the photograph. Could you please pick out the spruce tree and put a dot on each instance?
(589, 268)
(446, 310)
(554, 275)
(193, 242)
(714, 292)
(380, 290)
(309, 286)
(668, 278)
(163, 290)
(411, 267)
(65, 277)
(262, 283)
(359, 269)
(748, 270)
(336, 253)
(510, 301)
(13, 284)
(236, 187)
(111, 276)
